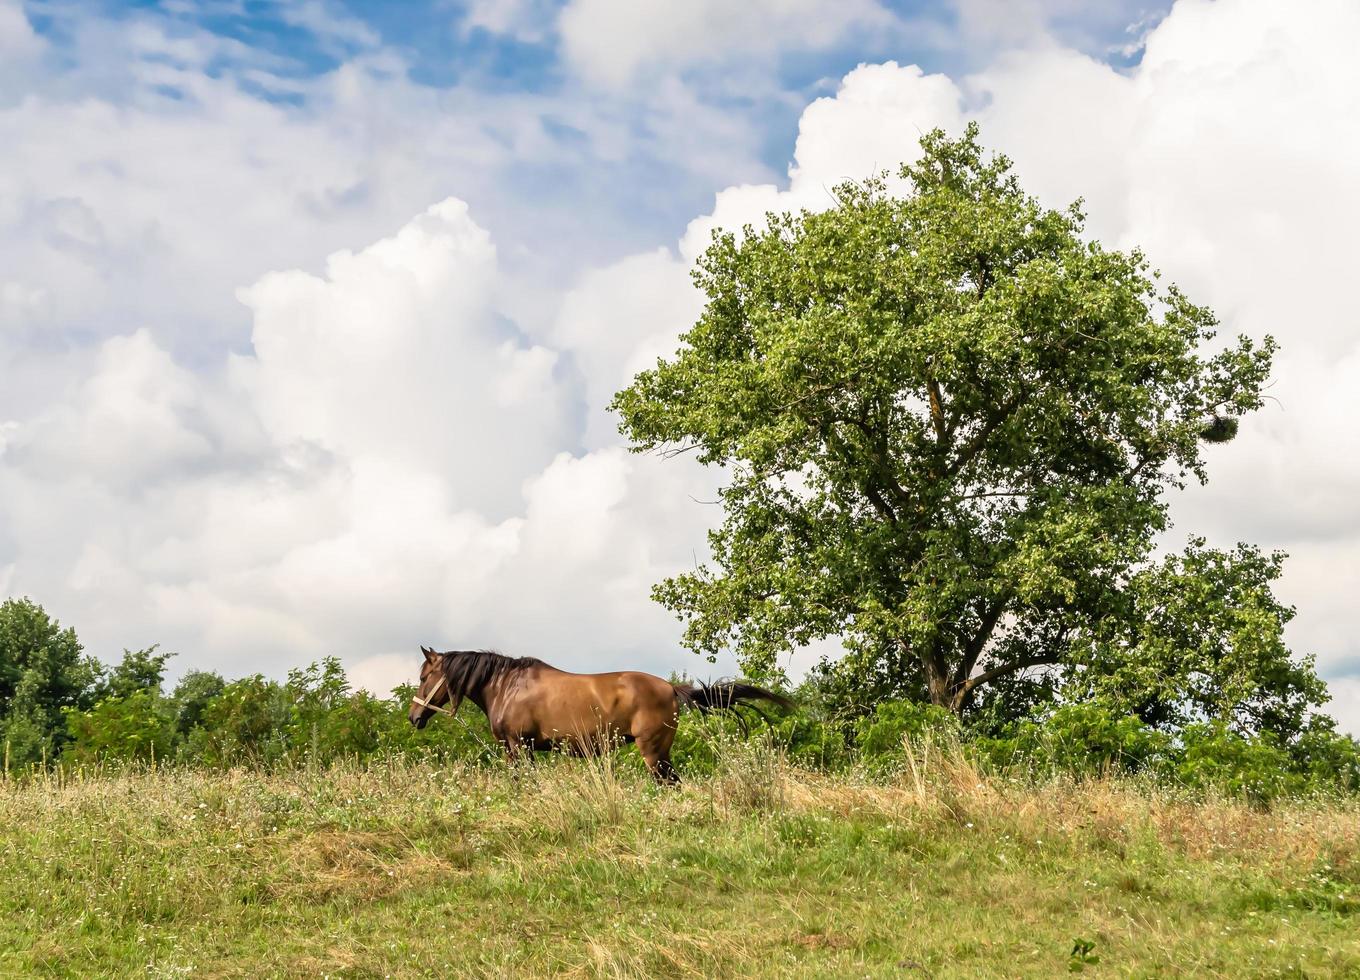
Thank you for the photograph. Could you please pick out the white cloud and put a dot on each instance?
(873, 123)
(142, 187)
(611, 42)
(383, 469)
(18, 41)
(397, 355)
(530, 21)
(330, 25)
(618, 320)
(138, 419)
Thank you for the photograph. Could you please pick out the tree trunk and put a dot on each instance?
(938, 684)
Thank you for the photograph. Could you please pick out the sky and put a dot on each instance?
(310, 311)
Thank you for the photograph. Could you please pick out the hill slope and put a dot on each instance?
(582, 868)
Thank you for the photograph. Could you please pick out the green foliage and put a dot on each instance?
(1329, 759)
(328, 721)
(131, 720)
(315, 719)
(42, 672)
(468, 736)
(1263, 767)
(247, 723)
(1083, 955)
(947, 423)
(1083, 739)
(1200, 637)
(137, 726)
(806, 738)
(139, 670)
(894, 722)
(1094, 740)
(192, 695)
(1258, 767)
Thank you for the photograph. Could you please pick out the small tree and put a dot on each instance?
(192, 694)
(947, 423)
(131, 718)
(1200, 639)
(139, 725)
(248, 722)
(139, 670)
(43, 671)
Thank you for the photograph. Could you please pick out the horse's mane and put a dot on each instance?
(468, 671)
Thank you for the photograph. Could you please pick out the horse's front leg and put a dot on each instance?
(513, 746)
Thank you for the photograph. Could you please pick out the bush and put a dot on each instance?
(466, 736)
(1083, 739)
(139, 726)
(881, 736)
(1330, 759)
(43, 671)
(1259, 767)
(816, 743)
(248, 722)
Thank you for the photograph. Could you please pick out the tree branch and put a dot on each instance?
(973, 683)
(973, 648)
(937, 412)
(835, 441)
(975, 445)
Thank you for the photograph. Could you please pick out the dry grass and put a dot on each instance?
(583, 869)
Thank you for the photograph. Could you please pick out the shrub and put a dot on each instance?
(1258, 767)
(1083, 739)
(248, 722)
(139, 726)
(881, 736)
(1329, 759)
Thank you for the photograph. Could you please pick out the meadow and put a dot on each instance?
(401, 867)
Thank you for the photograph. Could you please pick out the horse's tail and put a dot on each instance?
(726, 696)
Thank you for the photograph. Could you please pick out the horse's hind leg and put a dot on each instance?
(664, 773)
(655, 747)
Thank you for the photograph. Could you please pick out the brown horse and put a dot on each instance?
(534, 706)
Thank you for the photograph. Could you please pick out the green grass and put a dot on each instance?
(578, 868)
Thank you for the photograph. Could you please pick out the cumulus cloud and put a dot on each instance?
(385, 467)
(397, 355)
(618, 320)
(170, 166)
(873, 123)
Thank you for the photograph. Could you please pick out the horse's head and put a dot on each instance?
(433, 692)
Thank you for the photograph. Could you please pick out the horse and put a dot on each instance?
(534, 706)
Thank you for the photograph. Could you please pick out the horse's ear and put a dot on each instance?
(429, 654)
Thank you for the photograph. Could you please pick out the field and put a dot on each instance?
(575, 868)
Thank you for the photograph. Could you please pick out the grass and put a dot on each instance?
(574, 868)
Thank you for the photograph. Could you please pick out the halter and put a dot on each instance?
(425, 702)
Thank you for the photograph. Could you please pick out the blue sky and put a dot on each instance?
(309, 311)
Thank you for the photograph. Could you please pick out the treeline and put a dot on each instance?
(61, 708)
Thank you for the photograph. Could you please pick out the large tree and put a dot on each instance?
(947, 423)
